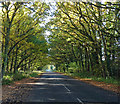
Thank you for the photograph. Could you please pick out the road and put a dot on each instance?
(54, 87)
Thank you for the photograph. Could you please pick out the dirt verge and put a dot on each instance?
(17, 91)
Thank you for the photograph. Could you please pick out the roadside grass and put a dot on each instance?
(107, 80)
(9, 78)
(89, 76)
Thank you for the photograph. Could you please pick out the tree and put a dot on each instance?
(85, 25)
(22, 40)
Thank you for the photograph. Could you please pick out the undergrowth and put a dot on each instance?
(9, 78)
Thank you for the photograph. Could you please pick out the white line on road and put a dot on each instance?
(66, 88)
(80, 101)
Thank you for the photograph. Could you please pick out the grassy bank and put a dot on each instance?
(9, 78)
(89, 76)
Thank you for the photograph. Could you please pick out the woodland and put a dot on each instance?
(84, 37)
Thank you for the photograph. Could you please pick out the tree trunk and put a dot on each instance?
(11, 66)
(5, 57)
(15, 62)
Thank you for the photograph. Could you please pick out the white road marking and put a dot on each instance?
(66, 88)
(80, 101)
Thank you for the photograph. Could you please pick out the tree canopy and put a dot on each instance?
(84, 35)
(23, 41)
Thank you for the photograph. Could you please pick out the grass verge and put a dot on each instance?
(89, 76)
(9, 78)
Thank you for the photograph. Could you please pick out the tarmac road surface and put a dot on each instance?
(56, 88)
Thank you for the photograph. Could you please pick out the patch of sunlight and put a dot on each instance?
(37, 83)
(37, 71)
(86, 79)
(53, 78)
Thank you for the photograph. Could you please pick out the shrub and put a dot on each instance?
(7, 79)
(19, 76)
(11, 77)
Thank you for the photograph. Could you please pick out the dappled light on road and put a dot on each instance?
(54, 87)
